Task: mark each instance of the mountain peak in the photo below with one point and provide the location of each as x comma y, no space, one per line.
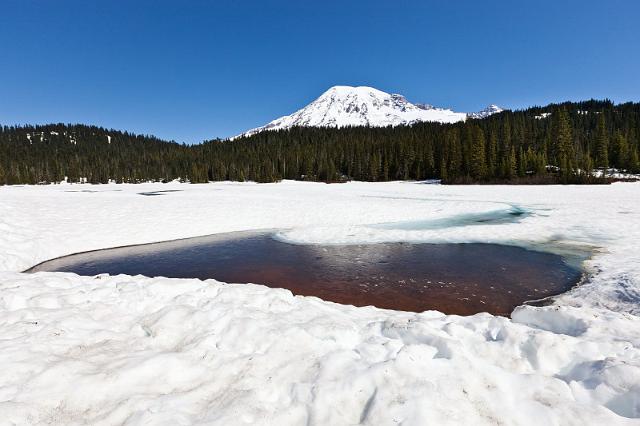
353,89
489,110
343,106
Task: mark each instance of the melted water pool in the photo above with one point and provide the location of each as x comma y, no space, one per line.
513,215
452,278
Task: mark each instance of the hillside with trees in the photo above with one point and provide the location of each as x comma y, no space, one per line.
558,143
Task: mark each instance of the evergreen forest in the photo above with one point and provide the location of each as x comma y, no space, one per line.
558,143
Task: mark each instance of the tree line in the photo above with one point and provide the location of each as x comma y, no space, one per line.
557,143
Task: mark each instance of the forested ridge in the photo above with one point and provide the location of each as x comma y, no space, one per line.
556,143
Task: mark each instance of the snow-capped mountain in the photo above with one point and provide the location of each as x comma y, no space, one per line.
490,110
342,106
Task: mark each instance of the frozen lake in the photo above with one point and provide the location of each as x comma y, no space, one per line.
179,351
452,278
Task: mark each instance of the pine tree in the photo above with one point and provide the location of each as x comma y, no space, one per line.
443,171
541,163
467,143
587,166
602,143
522,164
455,153
620,151
385,169
634,163
512,163
505,149
563,143
478,166
492,154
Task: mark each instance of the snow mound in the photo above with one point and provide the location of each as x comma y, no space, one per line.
134,350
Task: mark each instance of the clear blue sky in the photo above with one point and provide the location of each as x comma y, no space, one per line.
194,70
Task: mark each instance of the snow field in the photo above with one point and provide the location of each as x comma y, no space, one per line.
136,350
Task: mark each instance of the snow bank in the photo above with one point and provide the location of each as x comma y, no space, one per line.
135,350
113,350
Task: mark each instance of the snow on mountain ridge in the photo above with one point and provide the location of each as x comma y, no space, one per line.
343,106
490,110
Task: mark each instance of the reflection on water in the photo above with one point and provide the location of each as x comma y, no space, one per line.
452,278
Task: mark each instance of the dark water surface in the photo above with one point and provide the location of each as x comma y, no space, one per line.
452,278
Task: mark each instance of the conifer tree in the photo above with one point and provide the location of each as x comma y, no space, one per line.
443,170
602,143
492,154
512,163
455,153
620,151
563,143
522,164
587,165
478,166
634,163
505,149
541,164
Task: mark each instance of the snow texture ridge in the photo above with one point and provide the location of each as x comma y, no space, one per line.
343,106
